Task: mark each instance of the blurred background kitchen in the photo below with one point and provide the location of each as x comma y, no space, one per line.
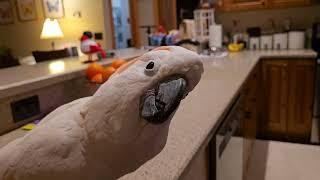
55,51
126,23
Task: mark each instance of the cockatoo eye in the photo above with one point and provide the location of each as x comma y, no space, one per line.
151,67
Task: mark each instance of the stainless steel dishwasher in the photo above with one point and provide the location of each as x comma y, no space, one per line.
229,145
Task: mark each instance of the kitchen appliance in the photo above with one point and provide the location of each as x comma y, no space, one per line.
253,40
316,47
229,145
296,39
280,41
266,42
254,31
316,37
254,43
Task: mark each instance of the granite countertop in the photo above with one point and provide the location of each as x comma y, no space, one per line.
24,78
200,113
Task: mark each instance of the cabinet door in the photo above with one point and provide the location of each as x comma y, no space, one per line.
234,5
287,3
275,94
301,95
250,111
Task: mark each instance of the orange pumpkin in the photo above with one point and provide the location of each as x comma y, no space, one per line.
107,72
94,69
117,63
97,79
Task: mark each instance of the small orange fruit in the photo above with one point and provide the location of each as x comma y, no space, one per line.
94,69
97,79
117,63
107,72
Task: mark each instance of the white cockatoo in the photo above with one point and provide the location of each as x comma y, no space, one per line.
115,131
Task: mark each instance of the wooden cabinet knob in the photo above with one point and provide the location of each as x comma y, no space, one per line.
247,115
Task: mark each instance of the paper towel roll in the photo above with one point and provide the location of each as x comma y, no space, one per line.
215,35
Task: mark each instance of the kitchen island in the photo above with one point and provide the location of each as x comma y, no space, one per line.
200,114
30,92
23,78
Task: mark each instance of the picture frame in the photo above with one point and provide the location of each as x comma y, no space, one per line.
53,8
6,12
26,10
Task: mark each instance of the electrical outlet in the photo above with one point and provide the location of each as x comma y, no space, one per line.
98,36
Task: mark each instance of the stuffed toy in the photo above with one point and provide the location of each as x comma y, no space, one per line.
89,46
115,131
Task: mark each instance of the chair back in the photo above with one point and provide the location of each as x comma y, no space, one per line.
7,60
56,54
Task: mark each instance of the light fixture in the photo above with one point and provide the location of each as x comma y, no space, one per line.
51,30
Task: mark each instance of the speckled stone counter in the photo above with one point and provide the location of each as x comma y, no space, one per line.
199,114
25,78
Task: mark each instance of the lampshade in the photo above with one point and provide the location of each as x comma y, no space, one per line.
51,29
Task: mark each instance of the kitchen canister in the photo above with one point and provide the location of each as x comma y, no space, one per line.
266,42
296,39
215,35
254,43
280,41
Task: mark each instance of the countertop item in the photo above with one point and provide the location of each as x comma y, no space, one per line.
280,41
266,42
296,39
19,79
215,35
200,113
254,43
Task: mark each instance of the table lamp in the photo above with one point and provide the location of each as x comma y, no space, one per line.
51,30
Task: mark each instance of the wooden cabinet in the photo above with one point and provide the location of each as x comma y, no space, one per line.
288,88
250,113
300,100
286,3
275,93
234,5
238,5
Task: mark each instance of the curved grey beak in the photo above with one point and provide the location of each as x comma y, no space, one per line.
160,102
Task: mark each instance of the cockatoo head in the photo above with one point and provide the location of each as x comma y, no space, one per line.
130,113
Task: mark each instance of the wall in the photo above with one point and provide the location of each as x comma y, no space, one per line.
24,37
302,17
